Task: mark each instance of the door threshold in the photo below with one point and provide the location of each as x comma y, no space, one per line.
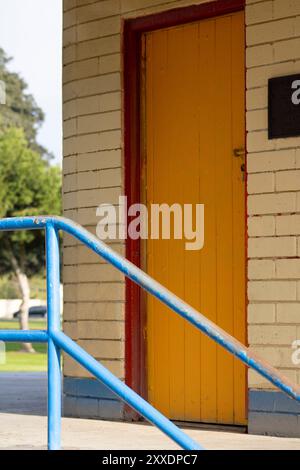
213,426
204,426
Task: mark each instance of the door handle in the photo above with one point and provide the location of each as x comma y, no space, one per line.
239,152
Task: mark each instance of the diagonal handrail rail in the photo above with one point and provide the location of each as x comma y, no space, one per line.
58,340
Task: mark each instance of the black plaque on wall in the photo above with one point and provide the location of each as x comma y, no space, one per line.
284,106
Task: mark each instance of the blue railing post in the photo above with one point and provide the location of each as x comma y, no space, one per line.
53,319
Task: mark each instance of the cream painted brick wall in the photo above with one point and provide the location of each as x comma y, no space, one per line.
288,224
273,49
259,183
272,291
288,180
261,226
288,313
258,162
281,356
261,269
260,204
272,247
261,313
272,334
272,31
288,269
93,173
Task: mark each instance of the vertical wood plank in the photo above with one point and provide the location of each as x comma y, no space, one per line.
208,82
239,210
191,195
224,215
157,190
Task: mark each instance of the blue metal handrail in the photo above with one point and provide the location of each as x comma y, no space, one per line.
58,341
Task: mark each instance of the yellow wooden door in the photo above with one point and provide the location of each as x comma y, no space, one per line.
193,120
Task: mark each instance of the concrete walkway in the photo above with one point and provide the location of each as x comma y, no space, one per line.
23,425
23,393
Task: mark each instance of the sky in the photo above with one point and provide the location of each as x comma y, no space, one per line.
31,33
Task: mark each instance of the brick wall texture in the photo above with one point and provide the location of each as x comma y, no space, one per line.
273,49
94,293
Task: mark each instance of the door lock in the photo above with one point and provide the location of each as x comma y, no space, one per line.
243,169
240,153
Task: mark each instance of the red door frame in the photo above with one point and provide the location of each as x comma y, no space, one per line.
135,347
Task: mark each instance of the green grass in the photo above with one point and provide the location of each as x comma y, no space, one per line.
24,362
17,360
39,324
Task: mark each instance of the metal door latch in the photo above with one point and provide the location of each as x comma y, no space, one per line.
239,152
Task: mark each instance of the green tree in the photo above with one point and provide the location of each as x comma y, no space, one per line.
20,110
28,186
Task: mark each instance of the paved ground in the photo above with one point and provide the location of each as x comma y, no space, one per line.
23,425
23,393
